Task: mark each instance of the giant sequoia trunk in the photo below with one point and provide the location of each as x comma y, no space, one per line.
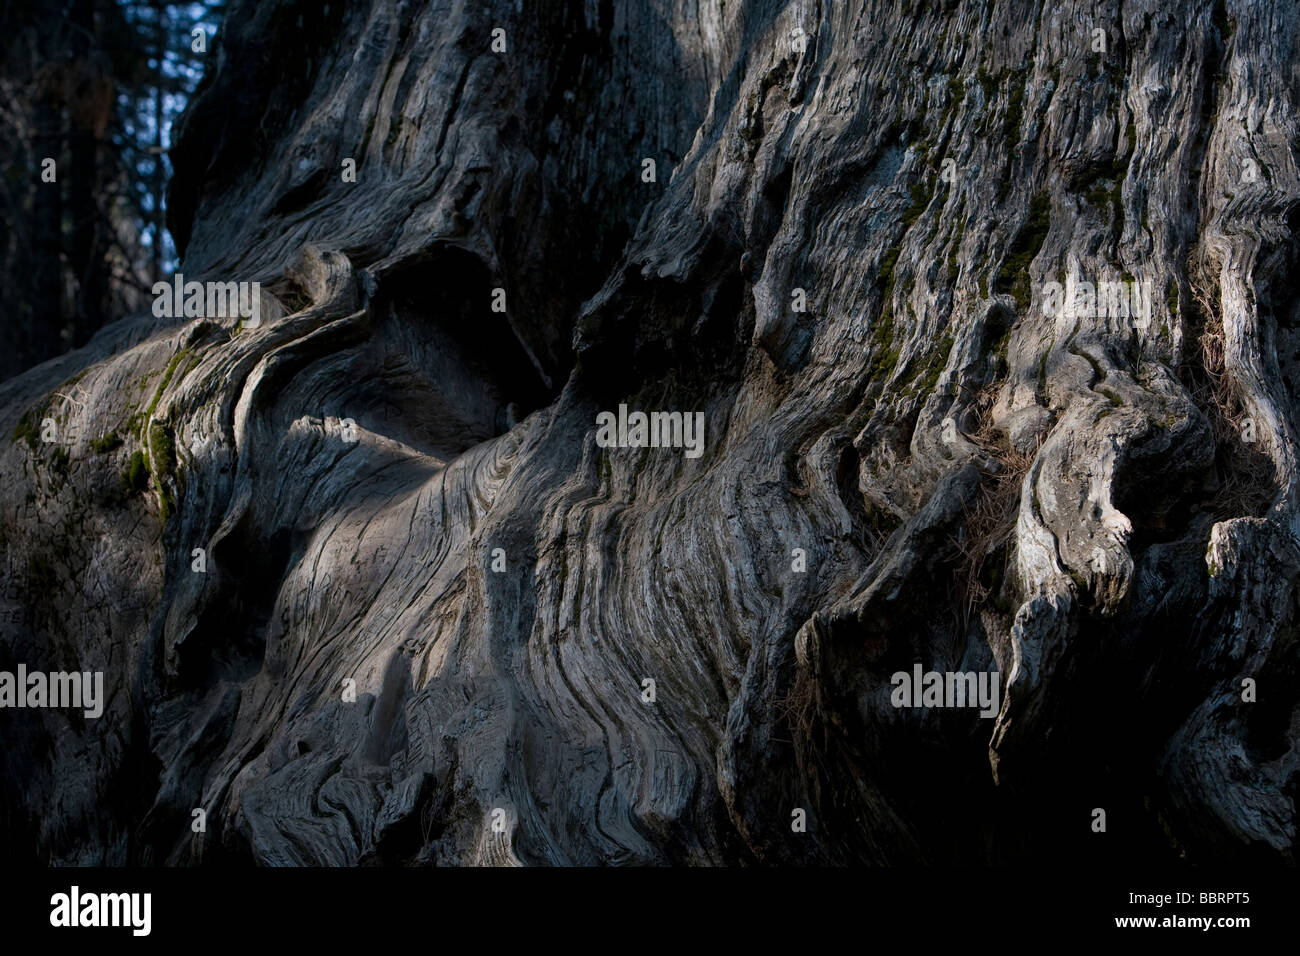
843,257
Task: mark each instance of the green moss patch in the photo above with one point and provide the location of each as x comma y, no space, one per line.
106,443
136,476
1013,277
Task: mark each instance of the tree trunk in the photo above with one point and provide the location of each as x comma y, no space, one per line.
159,119
376,589
47,229
87,243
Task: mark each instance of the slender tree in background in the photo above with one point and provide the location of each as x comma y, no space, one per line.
159,171
94,85
46,222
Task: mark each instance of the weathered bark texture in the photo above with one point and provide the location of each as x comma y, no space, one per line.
1104,510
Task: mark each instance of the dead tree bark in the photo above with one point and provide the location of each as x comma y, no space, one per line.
365,586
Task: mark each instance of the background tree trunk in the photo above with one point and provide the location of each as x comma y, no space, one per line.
47,216
87,241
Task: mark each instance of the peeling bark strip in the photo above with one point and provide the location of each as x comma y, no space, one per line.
365,587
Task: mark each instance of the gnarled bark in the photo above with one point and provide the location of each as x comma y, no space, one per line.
1103,510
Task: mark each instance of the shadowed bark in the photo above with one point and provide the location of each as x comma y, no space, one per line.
930,462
